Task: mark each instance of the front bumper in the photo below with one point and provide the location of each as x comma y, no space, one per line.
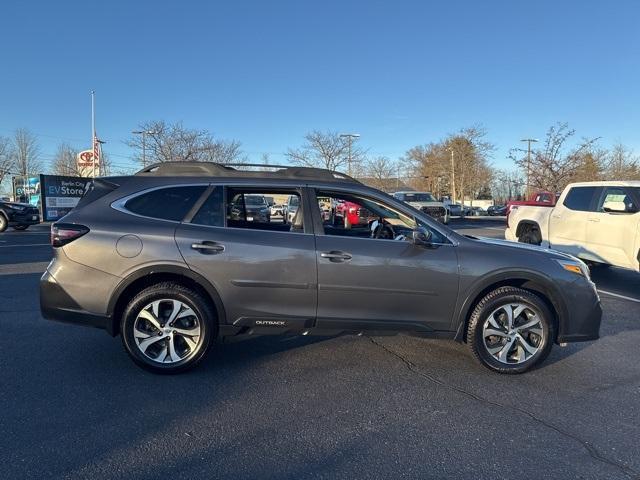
24,218
583,315
56,304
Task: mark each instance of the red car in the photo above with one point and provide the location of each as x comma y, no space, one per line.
352,214
540,199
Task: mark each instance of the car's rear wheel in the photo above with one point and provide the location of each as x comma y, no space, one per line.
168,328
20,227
511,330
3,223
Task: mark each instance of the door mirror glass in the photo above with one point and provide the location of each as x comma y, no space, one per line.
421,236
617,207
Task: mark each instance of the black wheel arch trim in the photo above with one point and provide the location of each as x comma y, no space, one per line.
159,270
465,308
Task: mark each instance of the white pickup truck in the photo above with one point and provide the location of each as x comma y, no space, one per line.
598,222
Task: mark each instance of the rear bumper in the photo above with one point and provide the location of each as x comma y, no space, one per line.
56,304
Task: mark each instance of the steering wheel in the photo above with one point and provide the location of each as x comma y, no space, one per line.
383,231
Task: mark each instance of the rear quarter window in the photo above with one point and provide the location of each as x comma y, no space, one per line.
171,203
580,199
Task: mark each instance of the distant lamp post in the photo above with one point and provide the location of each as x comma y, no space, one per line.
453,177
349,137
529,142
144,134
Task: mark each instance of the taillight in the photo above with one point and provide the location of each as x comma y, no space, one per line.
63,233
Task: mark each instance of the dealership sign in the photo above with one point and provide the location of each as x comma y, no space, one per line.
60,194
88,163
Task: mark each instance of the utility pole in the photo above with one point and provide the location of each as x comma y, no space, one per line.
529,141
144,134
349,137
453,178
93,131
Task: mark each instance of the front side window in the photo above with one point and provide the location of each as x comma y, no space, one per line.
170,203
358,216
579,198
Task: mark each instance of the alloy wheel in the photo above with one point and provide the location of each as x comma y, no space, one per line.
513,333
167,331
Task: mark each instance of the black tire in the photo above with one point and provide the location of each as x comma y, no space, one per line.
3,223
20,227
169,290
496,299
531,236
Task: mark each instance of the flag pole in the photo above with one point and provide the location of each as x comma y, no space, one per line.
93,130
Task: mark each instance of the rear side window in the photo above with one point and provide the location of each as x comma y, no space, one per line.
579,198
171,203
211,213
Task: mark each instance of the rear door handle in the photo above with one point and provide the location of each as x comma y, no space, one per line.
209,248
334,256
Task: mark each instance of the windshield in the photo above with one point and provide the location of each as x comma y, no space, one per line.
418,197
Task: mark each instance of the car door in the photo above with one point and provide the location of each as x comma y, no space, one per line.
568,222
611,234
264,272
368,283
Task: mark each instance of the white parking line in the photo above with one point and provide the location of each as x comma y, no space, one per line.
617,295
23,268
25,245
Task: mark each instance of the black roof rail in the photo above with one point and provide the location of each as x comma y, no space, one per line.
211,169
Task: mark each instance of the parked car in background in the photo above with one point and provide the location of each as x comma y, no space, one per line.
250,208
277,210
455,209
351,214
497,210
158,259
598,222
543,199
290,208
426,202
477,211
18,215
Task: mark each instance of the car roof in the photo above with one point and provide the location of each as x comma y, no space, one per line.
241,170
610,183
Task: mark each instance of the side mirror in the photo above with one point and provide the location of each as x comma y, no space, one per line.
421,236
616,207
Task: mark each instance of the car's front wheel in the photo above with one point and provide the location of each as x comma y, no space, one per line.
168,328
511,330
3,223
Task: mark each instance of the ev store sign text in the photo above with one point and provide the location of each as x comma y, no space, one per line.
60,194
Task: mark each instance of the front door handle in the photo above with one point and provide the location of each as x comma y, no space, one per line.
335,256
208,248
595,220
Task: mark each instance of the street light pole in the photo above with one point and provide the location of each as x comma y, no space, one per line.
453,178
529,141
144,134
349,137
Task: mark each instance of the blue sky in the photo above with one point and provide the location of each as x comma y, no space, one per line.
400,73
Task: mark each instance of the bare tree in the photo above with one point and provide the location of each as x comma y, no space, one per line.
26,153
326,150
6,158
621,164
65,161
555,164
175,143
380,172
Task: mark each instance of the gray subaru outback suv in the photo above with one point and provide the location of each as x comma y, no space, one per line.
171,260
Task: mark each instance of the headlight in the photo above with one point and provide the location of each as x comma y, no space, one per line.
575,266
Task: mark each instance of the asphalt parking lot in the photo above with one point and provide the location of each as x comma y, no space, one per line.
74,406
